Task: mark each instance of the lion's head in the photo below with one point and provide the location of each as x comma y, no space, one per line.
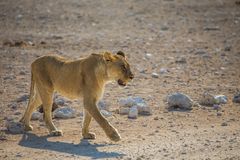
118,68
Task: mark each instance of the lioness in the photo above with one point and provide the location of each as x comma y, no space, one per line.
84,78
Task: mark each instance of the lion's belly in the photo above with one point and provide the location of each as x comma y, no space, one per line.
68,84
68,90
70,95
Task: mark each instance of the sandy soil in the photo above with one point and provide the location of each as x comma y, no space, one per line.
197,41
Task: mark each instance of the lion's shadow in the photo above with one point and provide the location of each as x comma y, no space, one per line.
84,148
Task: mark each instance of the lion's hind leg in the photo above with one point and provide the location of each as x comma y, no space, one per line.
33,103
46,94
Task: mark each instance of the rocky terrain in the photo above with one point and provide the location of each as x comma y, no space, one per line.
185,46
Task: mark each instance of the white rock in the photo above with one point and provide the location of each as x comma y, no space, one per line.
179,100
64,113
133,112
106,113
155,75
19,17
124,110
148,55
36,116
14,127
220,99
163,70
135,102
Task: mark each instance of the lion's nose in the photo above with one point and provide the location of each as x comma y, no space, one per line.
131,76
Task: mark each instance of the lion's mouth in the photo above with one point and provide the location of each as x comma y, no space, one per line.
121,83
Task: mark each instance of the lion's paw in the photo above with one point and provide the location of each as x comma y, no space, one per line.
28,128
115,136
56,133
89,135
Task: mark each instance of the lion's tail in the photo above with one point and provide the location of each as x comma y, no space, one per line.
31,88
31,96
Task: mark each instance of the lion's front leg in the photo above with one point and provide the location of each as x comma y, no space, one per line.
111,132
85,131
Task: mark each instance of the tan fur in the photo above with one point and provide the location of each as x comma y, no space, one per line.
84,78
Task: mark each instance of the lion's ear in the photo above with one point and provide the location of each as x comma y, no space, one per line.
121,54
108,56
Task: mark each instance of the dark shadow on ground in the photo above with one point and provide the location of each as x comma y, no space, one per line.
84,148
178,109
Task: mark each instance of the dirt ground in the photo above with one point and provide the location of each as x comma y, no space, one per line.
197,41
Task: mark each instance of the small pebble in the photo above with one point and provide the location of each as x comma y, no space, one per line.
181,60
156,118
227,48
155,75
106,113
163,70
23,98
224,124
236,98
148,55
22,73
17,113
13,105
